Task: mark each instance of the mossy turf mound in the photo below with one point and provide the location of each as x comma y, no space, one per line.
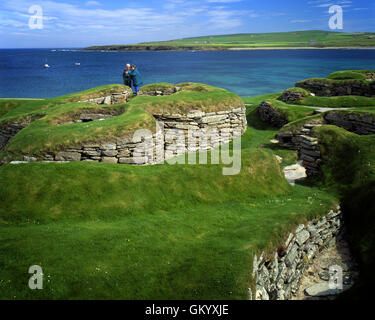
51,131
352,74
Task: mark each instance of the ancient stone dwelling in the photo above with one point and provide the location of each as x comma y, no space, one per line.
176,133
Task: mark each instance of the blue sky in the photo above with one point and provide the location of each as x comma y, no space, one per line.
72,23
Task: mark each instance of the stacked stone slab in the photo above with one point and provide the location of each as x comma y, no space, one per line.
268,114
117,97
8,131
309,152
292,96
291,139
176,134
278,278
359,123
184,133
330,88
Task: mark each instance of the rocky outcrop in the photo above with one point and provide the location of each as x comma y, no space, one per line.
330,88
269,114
278,278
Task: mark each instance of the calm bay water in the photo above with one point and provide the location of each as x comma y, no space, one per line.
247,73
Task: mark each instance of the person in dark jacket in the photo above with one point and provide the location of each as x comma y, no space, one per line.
126,76
136,78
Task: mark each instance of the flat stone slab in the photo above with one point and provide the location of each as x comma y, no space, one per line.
321,289
294,172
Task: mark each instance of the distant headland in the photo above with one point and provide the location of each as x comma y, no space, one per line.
255,41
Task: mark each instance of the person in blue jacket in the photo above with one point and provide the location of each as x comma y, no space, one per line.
136,78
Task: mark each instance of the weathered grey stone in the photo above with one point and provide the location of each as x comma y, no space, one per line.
290,237
300,228
68,156
29,159
321,289
302,237
289,260
261,293
108,146
109,159
110,153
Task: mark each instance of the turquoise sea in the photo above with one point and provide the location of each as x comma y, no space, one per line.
246,73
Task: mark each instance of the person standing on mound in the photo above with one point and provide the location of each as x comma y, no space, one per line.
126,76
136,78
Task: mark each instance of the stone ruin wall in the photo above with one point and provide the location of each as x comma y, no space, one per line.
302,138
333,88
176,134
278,278
172,139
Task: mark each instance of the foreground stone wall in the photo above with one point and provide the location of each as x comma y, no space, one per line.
278,278
176,134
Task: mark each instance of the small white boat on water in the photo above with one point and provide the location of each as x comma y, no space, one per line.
46,66
77,63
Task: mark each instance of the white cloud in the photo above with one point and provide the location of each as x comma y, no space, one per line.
92,3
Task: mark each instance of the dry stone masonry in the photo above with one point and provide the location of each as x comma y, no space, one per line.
359,123
268,114
118,97
278,278
330,88
177,134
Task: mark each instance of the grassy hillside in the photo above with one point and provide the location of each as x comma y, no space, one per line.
319,39
105,231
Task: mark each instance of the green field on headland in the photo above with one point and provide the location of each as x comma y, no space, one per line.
182,231
297,39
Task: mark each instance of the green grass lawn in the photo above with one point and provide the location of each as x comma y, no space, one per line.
105,231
